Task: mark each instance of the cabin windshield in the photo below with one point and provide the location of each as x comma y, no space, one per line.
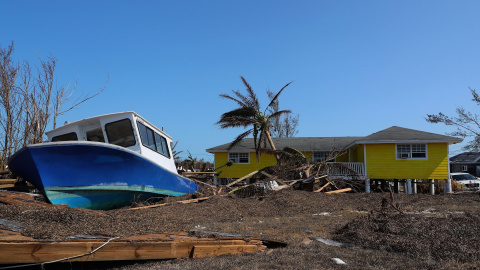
72,136
120,133
95,135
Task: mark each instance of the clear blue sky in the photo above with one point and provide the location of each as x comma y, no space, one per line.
358,66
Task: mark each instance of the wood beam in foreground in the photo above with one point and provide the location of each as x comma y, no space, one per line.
146,247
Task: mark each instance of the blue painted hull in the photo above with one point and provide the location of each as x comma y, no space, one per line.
95,176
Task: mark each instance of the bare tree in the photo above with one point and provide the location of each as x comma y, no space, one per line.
63,95
11,102
285,125
28,101
467,123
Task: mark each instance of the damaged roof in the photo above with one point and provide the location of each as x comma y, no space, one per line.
393,134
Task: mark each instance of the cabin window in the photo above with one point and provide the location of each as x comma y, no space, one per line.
162,146
72,136
146,134
464,168
153,140
120,133
242,158
411,151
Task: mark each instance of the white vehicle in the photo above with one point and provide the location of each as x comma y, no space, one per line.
466,180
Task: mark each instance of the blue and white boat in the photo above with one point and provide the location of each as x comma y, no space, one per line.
102,163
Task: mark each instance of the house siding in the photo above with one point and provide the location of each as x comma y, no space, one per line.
382,163
238,170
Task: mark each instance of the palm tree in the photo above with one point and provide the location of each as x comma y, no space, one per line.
249,115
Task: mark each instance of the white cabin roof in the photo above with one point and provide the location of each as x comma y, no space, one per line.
96,119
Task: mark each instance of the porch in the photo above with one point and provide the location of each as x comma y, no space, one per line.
352,170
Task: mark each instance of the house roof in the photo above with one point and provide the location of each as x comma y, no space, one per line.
397,134
466,157
390,135
299,143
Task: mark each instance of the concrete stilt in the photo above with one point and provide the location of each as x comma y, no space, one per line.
409,186
447,188
367,185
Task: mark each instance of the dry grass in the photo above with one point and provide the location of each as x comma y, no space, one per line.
443,238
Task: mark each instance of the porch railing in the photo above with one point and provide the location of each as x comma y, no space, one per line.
348,169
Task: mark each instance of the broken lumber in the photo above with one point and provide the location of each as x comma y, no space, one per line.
8,181
339,191
324,186
146,247
242,178
273,177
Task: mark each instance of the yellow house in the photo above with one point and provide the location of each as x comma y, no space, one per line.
392,153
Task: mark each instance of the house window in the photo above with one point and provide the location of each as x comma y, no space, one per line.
411,151
243,158
464,168
322,156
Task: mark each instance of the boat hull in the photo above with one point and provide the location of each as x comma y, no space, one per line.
95,175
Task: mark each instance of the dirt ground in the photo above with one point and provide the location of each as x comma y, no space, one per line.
409,232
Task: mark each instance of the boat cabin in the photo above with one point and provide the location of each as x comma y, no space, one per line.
125,129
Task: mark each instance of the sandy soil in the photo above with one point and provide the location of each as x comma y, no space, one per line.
409,232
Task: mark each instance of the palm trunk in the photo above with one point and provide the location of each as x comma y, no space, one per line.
270,140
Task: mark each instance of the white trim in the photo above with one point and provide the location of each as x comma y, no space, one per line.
409,141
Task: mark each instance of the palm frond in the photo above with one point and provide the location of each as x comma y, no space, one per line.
239,139
279,113
278,94
240,117
241,103
253,100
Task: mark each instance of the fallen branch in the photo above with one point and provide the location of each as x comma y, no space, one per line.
182,202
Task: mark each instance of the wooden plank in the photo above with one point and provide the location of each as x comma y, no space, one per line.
200,173
8,181
38,252
324,186
7,185
339,191
242,178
